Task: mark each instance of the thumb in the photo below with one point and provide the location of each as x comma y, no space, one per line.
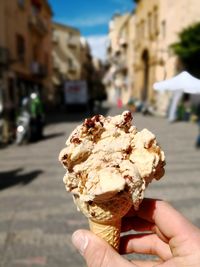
96,251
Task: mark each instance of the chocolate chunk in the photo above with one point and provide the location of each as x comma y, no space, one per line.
75,140
89,123
97,118
128,150
130,178
128,116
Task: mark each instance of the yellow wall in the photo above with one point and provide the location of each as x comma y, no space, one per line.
172,16
16,20
62,52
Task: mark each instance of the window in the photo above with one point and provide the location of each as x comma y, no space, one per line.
36,7
70,63
163,30
55,36
155,21
137,31
21,3
20,47
143,29
150,25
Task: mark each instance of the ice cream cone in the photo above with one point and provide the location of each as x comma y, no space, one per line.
105,217
109,164
109,232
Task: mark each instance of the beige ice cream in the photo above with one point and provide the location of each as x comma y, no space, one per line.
109,164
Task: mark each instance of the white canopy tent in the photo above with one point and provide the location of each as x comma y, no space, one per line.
179,84
184,82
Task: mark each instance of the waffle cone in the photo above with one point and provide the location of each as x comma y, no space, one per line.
109,232
105,217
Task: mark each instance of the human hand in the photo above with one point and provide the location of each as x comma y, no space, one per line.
165,233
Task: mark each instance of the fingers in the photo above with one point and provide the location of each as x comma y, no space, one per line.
96,251
169,221
141,225
136,223
145,244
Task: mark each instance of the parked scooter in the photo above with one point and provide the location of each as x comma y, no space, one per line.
30,122
23,131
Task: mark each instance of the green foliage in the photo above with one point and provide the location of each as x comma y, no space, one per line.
188,48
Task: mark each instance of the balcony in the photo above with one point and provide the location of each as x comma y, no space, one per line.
73,41
56,65
119,60
36,3
38,70
72,69
37,24
55,38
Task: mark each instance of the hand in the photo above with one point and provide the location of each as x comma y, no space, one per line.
165,233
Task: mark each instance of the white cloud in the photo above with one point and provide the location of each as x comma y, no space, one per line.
87,21
98,44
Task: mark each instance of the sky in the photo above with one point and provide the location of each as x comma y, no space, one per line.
91,17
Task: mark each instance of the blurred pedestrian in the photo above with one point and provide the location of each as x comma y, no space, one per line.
37,115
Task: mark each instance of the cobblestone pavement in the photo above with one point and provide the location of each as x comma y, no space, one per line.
37,216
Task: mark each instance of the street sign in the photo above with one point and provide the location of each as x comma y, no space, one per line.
76,92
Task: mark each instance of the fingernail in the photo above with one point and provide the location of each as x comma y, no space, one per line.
80,241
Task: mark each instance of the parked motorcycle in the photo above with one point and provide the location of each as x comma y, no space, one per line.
30,121
23,131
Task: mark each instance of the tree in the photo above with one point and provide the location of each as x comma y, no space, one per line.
188,48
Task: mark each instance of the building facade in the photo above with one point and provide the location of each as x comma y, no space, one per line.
147,34
157,24
118,78
71,57
26,48
66,52
25,52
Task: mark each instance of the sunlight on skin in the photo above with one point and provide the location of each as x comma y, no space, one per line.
176,241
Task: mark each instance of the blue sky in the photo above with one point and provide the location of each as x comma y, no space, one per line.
91,17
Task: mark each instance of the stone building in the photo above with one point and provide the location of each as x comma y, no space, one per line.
25,48
118,79
70,55
25,53
143,39
66,52
157,24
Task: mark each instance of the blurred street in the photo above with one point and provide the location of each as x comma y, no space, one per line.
37,216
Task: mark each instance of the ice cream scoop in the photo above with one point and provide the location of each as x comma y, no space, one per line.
109,163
